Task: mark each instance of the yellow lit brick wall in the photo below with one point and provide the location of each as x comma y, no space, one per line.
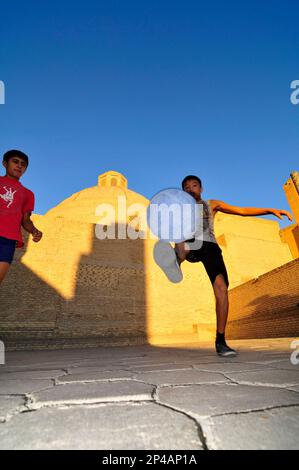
292,196
266,307
72,289
290,235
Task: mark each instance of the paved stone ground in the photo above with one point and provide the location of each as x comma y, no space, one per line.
151,398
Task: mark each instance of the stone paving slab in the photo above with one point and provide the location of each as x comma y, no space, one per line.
95,376
118,426
161,367
270,362
242,357
285,364
32,374
180,377
260,358
78,354
214,360
270,377
95,392
21,387
94,368
230,367
9,405
276,429
38,367
209,400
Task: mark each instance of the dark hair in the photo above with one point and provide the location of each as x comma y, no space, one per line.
190,177
15,153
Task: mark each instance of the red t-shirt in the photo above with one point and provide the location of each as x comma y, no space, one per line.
15,201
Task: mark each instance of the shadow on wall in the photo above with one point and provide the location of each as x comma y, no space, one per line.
108,307
267,316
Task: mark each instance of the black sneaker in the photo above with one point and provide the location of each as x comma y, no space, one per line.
224,350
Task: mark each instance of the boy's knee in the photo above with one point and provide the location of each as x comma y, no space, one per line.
181,251
220,287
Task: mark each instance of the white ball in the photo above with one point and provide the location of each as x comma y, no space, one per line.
173,215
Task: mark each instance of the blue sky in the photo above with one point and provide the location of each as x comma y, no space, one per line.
153,89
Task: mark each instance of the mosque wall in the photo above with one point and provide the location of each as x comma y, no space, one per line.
74,290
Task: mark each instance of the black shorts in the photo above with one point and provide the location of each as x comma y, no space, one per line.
7,249
210,254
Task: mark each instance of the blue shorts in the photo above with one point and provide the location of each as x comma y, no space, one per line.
7,249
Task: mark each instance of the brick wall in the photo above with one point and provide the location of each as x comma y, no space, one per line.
266,307
73,290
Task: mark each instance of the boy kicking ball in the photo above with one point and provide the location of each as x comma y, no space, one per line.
16,205
209,253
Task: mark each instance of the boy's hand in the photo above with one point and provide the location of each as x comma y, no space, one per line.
36,235
279,213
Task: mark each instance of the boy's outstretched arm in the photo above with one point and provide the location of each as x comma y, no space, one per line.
27,224
247,211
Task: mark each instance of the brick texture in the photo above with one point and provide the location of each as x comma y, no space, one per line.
266,307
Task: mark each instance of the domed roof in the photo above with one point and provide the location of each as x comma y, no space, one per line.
112,189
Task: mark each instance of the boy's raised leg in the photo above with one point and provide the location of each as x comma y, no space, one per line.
181,252
166,258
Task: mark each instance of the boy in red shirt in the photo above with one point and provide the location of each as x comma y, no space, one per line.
16,205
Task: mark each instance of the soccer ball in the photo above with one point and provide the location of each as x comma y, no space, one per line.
173,215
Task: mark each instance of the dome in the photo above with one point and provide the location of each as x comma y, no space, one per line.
112,189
